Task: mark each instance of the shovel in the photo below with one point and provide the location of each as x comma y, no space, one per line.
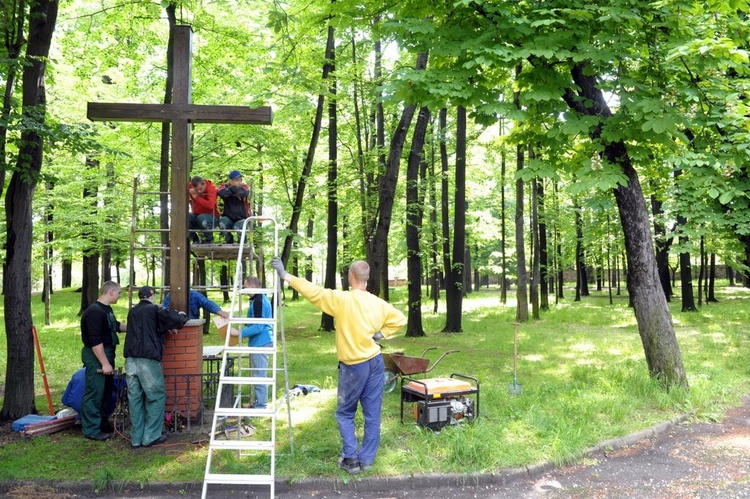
514,387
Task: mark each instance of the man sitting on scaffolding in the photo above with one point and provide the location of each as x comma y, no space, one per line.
204,214
234,194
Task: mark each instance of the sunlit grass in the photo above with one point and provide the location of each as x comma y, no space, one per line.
581,368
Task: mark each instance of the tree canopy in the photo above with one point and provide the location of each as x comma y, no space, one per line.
604,105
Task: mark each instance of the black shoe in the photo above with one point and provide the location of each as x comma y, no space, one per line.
350,465
107,428
158,441
365,467
100,437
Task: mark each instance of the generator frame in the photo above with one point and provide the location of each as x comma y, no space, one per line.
435,400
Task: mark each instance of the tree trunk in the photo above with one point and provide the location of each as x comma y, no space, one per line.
164,158
503,262
454,274
66,274
662,246
686,274
414,213
543,253
49,236
467,284
534,250
710,296
651,310
580,273
377,248
18,398
309,158
701,270
110,219
522,300
558,252
90,234
434,245
332,227
14,41
224,281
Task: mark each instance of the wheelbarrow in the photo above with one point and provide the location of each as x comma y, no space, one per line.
398,364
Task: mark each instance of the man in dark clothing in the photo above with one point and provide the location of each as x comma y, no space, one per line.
236,209
148,324
99,329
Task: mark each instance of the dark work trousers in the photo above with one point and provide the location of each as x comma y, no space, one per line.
97,395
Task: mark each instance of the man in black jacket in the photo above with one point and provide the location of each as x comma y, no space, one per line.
236,208
148,324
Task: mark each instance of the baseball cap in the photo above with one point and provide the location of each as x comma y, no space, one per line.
146,291
234,174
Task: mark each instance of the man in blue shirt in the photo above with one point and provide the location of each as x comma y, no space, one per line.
197,302
259,335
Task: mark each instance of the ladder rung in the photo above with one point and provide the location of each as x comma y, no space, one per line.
266,350
251,320
257,291
246,380
238,479
150,248
241,445
241,411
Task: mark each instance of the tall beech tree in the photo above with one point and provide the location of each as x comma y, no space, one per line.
454,281
19,395
414,213
332,225
377,247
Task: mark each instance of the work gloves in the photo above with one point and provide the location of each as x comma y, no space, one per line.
278,266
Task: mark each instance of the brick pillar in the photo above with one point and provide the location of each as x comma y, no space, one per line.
182,364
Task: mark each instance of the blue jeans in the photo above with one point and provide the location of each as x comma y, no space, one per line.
360,383
260,365
226,223
205,222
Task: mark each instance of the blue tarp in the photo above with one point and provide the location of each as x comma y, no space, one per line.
73,395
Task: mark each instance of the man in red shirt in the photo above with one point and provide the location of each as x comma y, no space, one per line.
204,214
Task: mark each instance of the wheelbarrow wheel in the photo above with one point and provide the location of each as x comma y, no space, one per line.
391,379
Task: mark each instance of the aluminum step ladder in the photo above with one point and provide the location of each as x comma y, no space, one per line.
246,455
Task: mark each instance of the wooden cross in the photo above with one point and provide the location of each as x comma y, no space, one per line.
182,113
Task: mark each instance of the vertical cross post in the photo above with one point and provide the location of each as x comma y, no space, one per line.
182,113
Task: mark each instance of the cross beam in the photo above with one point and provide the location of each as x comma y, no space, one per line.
182,113
102,111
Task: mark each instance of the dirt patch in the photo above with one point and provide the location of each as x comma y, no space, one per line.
37,492
7,435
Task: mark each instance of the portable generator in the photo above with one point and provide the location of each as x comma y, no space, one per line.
441,401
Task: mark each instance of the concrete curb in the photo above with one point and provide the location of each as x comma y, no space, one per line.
353,484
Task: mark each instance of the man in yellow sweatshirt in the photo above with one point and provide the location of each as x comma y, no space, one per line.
361,320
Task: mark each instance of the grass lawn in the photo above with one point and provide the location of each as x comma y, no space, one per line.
582,370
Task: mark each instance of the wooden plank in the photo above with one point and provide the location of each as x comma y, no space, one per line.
47,427
108,111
